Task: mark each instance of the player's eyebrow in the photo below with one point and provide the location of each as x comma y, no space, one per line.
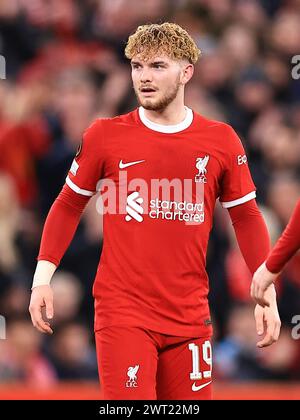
159,63
153,63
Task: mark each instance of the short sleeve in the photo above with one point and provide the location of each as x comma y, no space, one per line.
87,167
237,186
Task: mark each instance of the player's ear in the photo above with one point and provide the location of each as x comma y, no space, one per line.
187,71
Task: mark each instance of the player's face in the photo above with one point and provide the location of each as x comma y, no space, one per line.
156,82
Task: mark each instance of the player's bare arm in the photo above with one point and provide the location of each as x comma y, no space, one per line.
267,319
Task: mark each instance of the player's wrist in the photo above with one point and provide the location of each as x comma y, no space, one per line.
43,273
270,270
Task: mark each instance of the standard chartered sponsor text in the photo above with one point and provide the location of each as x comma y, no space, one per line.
173,210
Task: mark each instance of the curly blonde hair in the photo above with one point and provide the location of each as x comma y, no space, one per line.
167,38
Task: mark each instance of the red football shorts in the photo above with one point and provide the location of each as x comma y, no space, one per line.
135,363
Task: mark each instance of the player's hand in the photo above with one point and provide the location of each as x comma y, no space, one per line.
267,319
262,279
41,298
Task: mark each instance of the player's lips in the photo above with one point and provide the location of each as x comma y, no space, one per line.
147,91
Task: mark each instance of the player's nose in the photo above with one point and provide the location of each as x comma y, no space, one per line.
146,76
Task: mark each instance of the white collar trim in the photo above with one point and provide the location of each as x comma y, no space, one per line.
167,128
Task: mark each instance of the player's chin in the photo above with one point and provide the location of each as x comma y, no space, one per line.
147,101
150,104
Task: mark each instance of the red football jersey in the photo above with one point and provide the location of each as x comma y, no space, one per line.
160,185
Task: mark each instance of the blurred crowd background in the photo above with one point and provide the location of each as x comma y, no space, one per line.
65,66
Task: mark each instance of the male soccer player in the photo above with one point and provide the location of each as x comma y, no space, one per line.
286,246
152,321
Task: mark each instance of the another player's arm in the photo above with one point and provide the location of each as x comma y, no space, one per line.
62,222
286,246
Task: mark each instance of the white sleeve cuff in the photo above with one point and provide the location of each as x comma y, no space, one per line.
43,273
242,200
77,189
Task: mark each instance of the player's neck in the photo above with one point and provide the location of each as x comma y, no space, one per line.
173,114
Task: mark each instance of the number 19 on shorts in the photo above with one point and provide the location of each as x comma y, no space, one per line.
196,373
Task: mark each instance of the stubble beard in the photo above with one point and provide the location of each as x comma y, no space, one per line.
160,104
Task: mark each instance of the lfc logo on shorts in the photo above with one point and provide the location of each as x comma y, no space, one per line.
131,373
201,164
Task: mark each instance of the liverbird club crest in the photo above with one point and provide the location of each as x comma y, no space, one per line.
201,164
132,375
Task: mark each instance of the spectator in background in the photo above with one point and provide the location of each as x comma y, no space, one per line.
68,295
21,358
235,359
73,106
9,214
72,354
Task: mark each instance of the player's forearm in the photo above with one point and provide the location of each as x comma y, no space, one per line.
251,233
287,245
58,232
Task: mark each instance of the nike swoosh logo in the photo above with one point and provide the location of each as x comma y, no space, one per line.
197,388
125,165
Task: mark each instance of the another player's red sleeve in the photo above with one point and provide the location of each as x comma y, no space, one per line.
251,232
287,245
237,186
61,224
